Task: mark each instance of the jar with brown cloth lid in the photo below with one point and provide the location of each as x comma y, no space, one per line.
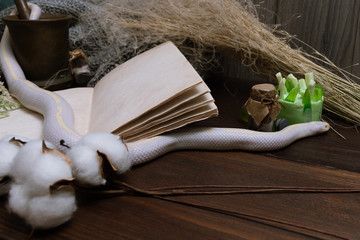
263,107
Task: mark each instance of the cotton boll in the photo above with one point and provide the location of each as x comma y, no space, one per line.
51,210
36,168
8,152
43,211
112,146
8,149
86,159
25,160
49,168
86,165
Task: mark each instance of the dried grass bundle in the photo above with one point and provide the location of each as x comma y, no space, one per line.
200,27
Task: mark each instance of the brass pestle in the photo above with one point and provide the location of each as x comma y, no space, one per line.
23,9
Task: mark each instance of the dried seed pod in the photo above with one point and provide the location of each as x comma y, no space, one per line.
5,185
18,142
79,67
63,184
107,169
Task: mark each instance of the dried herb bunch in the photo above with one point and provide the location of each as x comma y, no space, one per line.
230,25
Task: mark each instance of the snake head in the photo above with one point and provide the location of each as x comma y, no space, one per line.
321,126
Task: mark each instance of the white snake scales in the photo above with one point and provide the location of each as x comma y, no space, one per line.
58,120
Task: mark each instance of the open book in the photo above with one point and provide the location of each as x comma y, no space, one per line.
154,92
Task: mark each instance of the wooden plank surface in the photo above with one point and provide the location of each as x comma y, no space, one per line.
330,27
136,217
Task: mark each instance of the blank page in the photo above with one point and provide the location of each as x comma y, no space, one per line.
140,85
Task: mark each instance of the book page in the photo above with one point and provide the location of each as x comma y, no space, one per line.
27,123
186,108
22,122
176,103
139,85
80,100
190,117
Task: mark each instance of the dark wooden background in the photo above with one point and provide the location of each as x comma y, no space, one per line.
331,27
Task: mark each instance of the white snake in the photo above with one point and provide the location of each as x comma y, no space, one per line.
58,120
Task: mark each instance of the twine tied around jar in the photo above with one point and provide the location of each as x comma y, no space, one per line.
263,106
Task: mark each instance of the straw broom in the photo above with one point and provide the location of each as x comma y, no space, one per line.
230,25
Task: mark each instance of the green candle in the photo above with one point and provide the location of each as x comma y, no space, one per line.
302,99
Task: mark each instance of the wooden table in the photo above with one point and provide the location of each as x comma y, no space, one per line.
326,161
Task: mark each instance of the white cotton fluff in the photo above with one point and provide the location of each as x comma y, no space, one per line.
26,158
48,169
51,210
18,200
8,151
85,165
34,171
112,146
85,159
42,212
